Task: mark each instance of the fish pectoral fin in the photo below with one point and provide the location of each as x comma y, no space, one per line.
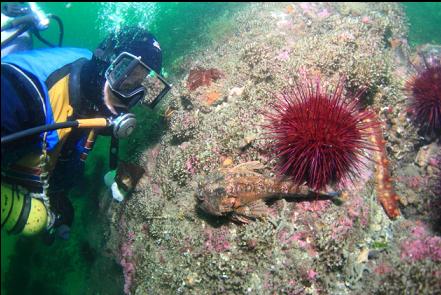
240,219
256,209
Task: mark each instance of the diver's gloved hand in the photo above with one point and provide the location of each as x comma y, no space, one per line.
61,231
117,193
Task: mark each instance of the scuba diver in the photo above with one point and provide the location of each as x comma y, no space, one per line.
54,103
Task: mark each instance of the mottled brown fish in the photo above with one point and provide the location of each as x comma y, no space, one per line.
239,192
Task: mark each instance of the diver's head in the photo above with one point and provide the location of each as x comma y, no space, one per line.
127,67
133,40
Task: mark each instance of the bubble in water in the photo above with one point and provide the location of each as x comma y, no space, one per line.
113,16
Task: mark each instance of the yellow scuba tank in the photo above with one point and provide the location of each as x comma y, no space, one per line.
20,213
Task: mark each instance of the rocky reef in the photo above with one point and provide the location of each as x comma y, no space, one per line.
166,244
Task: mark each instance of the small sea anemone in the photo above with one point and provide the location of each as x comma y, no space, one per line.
202,77
424,92
319,137
212,97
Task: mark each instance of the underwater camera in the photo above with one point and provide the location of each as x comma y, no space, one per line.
133,80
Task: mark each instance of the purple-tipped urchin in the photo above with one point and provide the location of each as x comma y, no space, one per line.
319,137
424,93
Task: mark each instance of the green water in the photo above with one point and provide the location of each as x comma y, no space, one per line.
29,267
424,22
178,26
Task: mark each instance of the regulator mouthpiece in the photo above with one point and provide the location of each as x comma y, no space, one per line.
124,125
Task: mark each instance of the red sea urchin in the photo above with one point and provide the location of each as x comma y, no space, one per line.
318,137
424,92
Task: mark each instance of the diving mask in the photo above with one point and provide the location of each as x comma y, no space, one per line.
133,80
